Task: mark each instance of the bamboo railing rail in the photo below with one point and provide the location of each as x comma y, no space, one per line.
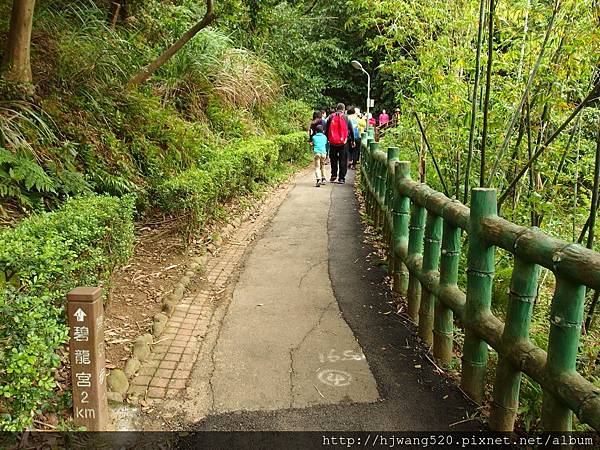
422,229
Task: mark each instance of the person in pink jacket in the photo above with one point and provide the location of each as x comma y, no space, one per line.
383,118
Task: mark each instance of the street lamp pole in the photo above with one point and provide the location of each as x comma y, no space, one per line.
368,92
357,65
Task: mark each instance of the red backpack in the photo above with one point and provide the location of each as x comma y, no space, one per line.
338,129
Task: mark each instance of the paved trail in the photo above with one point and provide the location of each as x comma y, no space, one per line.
283,342
304,343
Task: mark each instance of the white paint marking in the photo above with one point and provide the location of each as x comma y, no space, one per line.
347,355
335,378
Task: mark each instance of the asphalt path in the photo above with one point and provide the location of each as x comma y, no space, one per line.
291,346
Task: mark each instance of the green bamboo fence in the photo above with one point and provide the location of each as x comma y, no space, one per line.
422,229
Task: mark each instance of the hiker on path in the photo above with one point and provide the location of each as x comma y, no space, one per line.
362,123
318,143
371,120
324,123
396,118
354,151
340,135
383,118
316,121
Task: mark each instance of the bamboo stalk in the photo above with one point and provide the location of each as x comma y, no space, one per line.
566,314
592,223
431,260
525,31
373,148
488,89
401,227
474,100
523,290
392,157
381,188
594,202
443,323
514,156
529,153
480,273
517,112
415,247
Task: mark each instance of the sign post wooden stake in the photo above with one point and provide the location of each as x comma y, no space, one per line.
88,373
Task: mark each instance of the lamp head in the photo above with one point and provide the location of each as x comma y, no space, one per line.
357,65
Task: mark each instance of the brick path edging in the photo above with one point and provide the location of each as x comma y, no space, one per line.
162,362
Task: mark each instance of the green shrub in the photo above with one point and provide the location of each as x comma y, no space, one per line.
293,147
286,116
31,329
41,259
198,192
237,169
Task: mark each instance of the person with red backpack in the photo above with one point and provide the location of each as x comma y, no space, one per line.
340,135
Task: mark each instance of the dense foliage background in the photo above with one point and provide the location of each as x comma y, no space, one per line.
224,115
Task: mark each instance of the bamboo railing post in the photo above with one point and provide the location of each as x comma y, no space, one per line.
415,248
373,148
371,133
363,163
431,260
401,228
392,157
376,190
443,323
380,190
372,175
364,169
480,274
523,289
566,315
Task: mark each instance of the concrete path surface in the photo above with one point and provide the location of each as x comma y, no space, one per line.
307,341
290,327
284,342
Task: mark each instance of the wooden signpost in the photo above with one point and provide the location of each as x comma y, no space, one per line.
88,372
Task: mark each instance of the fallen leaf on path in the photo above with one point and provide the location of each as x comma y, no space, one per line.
318,391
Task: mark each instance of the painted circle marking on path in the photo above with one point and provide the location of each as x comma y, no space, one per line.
334,377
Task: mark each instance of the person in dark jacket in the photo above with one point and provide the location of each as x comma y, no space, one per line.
316,121
338,154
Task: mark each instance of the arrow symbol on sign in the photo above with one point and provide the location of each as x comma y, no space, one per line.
80,315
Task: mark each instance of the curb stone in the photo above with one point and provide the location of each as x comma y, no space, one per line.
142,347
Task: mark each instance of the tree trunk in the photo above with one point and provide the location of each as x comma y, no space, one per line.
16,65
145,73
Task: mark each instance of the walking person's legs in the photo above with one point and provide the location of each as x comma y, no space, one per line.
334,157
355,154
318,169
343,159
322,161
